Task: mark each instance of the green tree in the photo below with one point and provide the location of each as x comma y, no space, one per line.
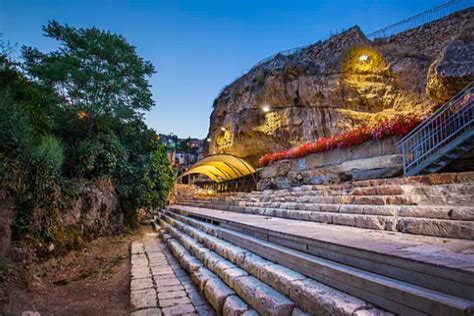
96,72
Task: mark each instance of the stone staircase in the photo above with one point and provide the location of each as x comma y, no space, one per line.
448,134
439,205
238,282
273,272
403,246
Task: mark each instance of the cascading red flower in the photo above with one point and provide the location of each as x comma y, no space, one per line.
396,126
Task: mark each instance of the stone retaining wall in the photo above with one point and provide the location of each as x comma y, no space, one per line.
374,159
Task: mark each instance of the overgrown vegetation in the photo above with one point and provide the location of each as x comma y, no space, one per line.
75,115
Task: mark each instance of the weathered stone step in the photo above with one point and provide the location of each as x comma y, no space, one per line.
461,213
312,296
224,300
442,266
445,195
336,199
431,221
397,296
223,283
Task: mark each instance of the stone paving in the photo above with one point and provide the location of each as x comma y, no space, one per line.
159,286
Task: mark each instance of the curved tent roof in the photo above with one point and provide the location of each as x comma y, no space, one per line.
221,167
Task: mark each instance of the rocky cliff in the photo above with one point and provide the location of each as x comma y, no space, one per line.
333,86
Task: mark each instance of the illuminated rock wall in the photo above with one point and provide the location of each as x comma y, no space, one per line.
331,87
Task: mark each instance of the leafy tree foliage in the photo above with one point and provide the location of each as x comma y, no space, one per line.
75,114
94,71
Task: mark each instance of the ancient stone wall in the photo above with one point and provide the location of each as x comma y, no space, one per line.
92,213
374,159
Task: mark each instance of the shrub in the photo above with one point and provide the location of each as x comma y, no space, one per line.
15,125
100,156
396,126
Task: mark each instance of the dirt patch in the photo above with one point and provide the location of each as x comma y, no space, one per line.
93,281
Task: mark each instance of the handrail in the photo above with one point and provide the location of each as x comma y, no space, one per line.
448,127
437,112
421,18
417,20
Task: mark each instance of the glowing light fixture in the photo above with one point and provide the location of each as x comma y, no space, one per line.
208,140
363,58
83,114
223,129
266,108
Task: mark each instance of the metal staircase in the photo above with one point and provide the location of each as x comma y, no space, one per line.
445,136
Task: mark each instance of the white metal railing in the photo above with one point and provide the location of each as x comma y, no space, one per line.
431,15
452,120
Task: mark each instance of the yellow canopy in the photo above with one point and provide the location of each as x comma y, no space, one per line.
221,167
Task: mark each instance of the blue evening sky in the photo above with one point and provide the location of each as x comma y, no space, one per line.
199,46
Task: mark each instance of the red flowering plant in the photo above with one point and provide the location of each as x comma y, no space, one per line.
399,125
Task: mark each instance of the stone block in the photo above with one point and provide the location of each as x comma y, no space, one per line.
426,212
320,217
313,296
222,265
176,248
280,277
172,294
137,247
170,288
174,302
143,299
142,272
262,298
178,310
161,283
230,275
189,263
147,312
216,292
141,284
211,259
439,228
254,264
234,306
462,213
201,276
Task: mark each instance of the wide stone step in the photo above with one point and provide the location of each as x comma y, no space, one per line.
312,296
448,222
459,194
448,189
224,284
392,294
462,213
399,273
224,300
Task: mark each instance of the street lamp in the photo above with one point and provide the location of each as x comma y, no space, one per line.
223,129
266,108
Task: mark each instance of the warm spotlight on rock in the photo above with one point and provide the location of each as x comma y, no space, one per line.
363,58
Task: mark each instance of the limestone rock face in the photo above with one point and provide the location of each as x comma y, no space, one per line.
453,69
331,87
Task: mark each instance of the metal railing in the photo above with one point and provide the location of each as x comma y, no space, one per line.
453,119
431,15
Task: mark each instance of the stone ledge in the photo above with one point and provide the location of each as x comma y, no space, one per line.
371,160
